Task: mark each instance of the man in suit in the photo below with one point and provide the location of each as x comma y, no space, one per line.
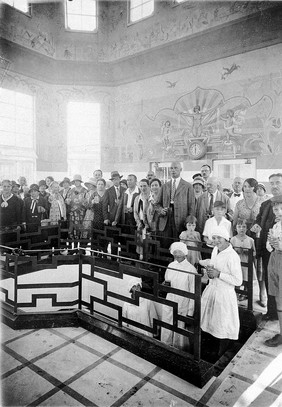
205,173
124,214
204,203
35,209
113,197
237,193
176,201
265,221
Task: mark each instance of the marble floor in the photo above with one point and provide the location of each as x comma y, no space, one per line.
74,367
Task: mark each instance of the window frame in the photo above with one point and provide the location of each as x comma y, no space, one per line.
80,31
129,22
25,13
15,120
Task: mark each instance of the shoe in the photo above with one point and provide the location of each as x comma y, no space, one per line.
261,303
269,317
275,341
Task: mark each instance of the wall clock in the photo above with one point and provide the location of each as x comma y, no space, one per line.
196,149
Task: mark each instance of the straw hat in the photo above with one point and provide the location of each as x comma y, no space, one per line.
77,177
66,179
91,181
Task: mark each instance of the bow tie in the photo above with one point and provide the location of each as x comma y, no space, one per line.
237,194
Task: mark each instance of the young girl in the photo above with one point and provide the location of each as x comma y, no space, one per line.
190,237
241,244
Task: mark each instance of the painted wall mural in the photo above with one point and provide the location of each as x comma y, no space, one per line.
203,123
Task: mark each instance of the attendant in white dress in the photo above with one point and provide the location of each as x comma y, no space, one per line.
179,275
144,313
220,316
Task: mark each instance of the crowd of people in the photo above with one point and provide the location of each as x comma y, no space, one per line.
182,215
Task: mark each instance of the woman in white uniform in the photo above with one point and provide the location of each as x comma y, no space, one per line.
180,275
220,316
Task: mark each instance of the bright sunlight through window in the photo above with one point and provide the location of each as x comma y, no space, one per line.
139,9
83,127
21,5
81,15
16,119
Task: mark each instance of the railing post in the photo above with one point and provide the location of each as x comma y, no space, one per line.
197,318
80,279
250,279
16,285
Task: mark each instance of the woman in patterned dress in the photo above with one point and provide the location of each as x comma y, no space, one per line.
248,208
76,203
100,209
89,214
58,207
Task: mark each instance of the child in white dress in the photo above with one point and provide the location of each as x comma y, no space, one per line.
217,220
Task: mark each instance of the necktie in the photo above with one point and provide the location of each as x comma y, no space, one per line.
33,205
117,191
236,194
211,204
173,189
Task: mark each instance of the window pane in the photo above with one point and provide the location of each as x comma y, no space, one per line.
7,138
74,6
7,110
88,23
135,3
7,96
21,5
148,9
136,14
7,124
88,7
74,22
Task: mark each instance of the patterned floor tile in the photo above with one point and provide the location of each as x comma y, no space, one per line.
23,387
66,362
133,361
232,388
97,343
36,343
105,384
61,399
8,362
152,396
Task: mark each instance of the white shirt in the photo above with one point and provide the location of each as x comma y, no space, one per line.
235,199
130,195
277,232
177,180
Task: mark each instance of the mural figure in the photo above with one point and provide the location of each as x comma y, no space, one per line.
165,133
198,118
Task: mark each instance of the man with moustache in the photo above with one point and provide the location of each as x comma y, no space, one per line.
237,193
265,221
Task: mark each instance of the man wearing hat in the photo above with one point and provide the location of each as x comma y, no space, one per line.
115,193
35,208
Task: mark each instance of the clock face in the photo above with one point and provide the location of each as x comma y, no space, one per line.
196,149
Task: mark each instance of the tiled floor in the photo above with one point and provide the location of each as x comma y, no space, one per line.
73,367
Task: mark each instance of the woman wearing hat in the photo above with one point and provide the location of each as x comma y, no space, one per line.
10,207
261,193
66,193
76,203
198,186
89,214
179,275
220,316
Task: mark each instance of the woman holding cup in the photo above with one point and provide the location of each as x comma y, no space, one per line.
220,316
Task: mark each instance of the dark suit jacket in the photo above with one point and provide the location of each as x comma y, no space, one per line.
202,208
184,203
35,217
266,220
122,207
113,202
